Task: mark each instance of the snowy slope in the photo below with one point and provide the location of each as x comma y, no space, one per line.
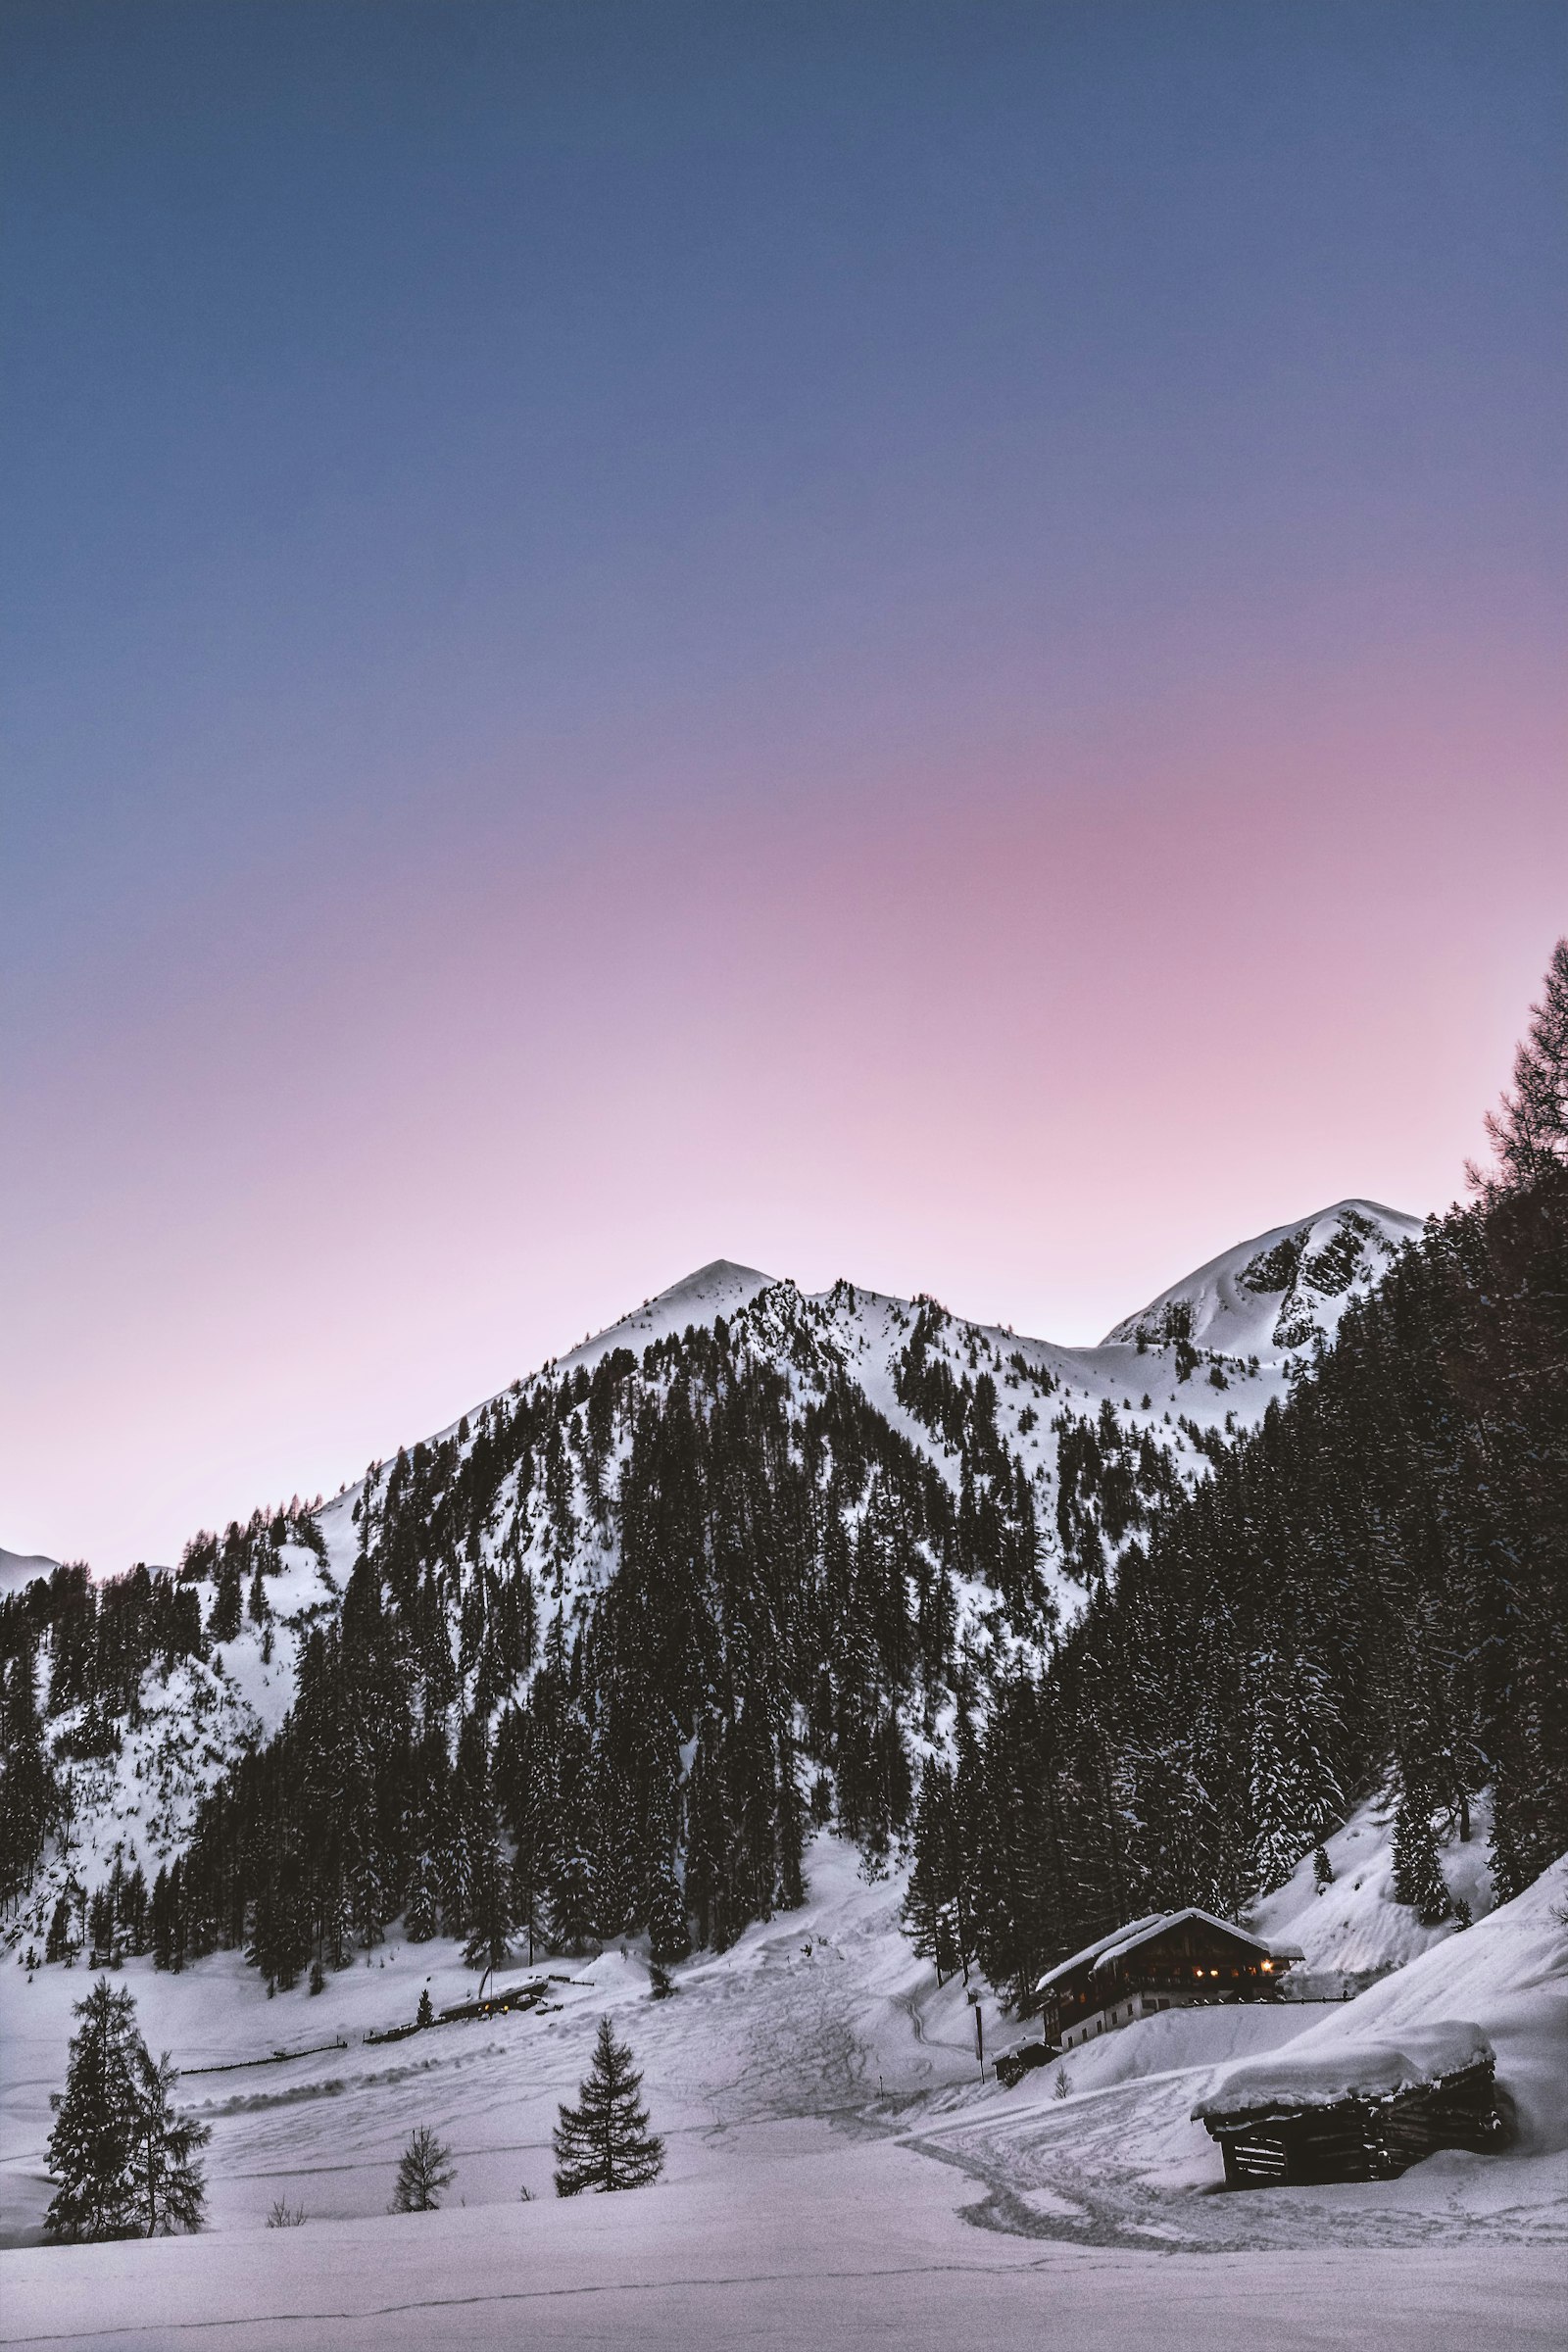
1281,1290
825,2122
1151,1409
19,1568
1509,1975
1354,1929
1119,2158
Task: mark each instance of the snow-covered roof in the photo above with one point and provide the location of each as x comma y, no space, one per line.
1347,2070
1143,1930
1107,1949
1090,1951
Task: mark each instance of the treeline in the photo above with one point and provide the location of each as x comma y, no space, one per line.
605,1655
76,1649
480,1748
1374,1583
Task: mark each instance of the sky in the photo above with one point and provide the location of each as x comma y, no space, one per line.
919,642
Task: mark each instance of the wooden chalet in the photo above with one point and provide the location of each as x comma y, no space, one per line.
1355,2110
1168,1960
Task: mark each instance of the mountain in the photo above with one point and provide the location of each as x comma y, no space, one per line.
1282,1292
19,1568
807,1533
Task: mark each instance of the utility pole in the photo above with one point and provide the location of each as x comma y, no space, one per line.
979,2033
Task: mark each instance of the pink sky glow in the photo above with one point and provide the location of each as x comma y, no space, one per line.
1036,1029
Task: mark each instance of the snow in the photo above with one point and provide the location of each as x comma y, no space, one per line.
1354,1929
1234,1304
721,1288
1102,1943
838,2172
18,1569
1319,2074
856,2246
141,1808
1142,1930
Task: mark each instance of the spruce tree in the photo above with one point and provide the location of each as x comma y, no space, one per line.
171,2185
93,2148
420,1921
424,2169
1418,1878
605,2143
931,1907
27,1797
124,2160
670,1935
1528,1129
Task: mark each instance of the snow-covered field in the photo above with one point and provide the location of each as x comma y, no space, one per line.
838,2172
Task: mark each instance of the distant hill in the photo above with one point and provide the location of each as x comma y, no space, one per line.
19,1568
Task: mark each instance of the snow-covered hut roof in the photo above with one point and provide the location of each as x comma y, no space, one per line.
1294,2078
1143,1930
1091,1951
1107,1949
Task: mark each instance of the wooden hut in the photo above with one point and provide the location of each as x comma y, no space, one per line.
1167,1960
1346,2110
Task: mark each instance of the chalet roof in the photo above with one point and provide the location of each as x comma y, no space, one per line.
1102,1944
1107,1949
1296,2077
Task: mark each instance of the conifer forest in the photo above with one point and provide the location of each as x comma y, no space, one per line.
606,1652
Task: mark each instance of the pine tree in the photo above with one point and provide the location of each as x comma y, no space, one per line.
1528,1129
932,1909
1418,1878
171,2185
29,1799
420,1921
1295,1793
670,1935
93,2147
605,2143
489,1938
424,2170
58,1944
124,2160
570,1905
424,2015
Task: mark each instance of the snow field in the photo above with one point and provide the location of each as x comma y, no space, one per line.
837,2171
862,2246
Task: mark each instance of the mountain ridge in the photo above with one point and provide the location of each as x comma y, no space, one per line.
1000,1476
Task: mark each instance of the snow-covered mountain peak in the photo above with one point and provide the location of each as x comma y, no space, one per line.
18,1569
721,1288
1280,1291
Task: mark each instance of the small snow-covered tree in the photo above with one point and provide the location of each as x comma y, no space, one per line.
424,2170
605,2143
